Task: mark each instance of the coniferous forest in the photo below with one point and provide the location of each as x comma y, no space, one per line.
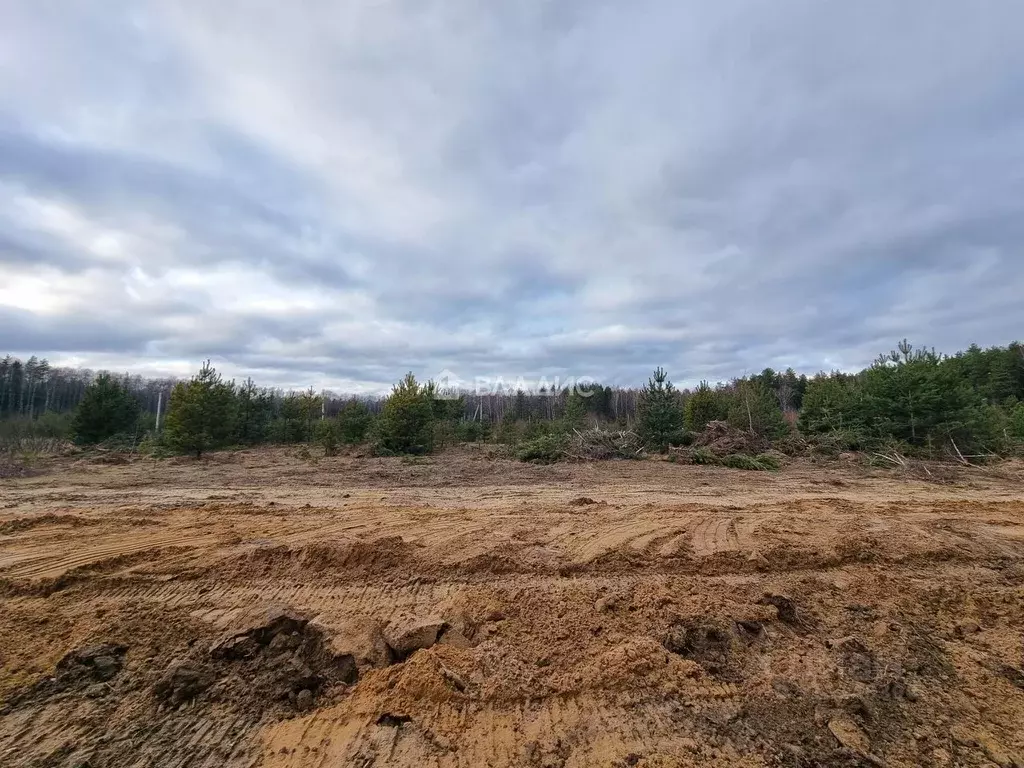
910,401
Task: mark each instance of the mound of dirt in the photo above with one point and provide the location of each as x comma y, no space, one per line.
439,675
724,440
88,670
706,644
94,663
285,660
310,562
281,660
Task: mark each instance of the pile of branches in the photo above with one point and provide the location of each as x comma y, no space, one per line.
598,445
721,439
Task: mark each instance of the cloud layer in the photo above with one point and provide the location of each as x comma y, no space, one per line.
334,193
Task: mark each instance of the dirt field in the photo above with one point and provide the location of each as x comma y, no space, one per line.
258,608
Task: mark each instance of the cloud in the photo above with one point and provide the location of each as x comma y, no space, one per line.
334,194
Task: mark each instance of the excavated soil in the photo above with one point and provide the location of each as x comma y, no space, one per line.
258,609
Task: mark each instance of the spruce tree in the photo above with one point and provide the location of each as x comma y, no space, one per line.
201,415
107,409
660,419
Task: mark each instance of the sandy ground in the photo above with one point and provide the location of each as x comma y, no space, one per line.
258,608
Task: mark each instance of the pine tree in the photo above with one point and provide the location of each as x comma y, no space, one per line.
406,422
106,409
354,421
1015,426
755,409
254,409
830,404
519,409
575,414
703,406
659,417
201,415
310,405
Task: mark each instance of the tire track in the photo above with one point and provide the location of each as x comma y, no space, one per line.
712,535
52,566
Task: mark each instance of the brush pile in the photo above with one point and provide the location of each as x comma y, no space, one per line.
721,440
599,445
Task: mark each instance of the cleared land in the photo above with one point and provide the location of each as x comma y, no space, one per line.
471,611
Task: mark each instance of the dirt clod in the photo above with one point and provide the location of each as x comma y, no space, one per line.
606,603
93,663
393,721
850,735
182,681
786,608
708,645
406,637
304,700
360,637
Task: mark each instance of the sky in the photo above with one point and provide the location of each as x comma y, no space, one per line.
335,193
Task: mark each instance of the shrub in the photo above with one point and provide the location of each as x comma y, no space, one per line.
443,434
536,428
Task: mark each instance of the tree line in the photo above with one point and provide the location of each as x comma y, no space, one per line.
912,400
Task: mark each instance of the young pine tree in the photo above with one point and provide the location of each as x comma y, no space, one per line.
755,408
1015,427
703,406
406,422
354,421
575,414
253,413
201,415
107,408
659,417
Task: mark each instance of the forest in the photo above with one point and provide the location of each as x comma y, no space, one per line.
910,401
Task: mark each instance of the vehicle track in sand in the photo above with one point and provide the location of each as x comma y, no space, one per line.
645,614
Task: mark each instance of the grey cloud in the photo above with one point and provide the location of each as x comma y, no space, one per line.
25,331
345,193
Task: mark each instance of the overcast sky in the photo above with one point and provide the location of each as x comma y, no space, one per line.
333,193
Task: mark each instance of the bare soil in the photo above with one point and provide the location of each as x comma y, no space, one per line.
261,609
